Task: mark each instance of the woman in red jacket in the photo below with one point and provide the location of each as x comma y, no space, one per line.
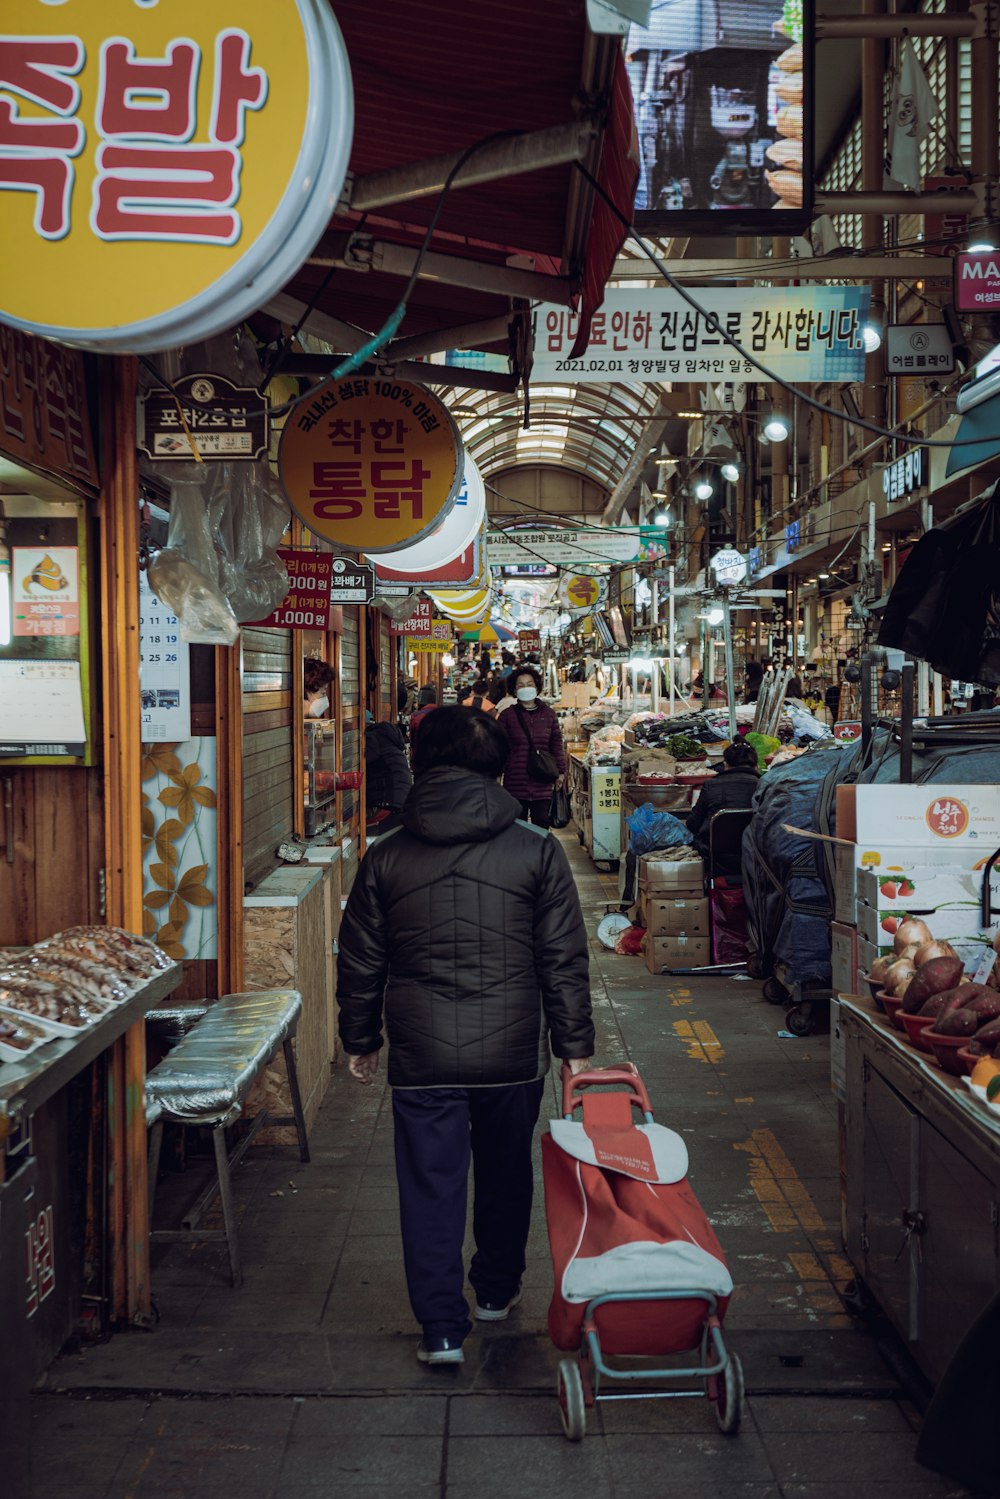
531,724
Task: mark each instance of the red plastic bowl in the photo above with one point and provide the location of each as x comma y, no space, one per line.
915,1027
875,989
946,1052
892,1006
969,1058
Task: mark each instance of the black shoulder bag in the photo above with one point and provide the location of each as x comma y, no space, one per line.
541,763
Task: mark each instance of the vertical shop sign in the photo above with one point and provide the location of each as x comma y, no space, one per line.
40,1272
306,605
226,422
419,621
371,465
164,671
530,642
164,169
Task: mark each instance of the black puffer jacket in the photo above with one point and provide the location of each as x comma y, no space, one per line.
466,924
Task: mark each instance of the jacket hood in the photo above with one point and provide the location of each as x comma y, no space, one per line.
449,805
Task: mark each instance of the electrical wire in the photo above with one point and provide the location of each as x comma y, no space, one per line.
713,325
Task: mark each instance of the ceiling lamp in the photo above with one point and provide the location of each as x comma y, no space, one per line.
871,335
776,429
703,490
730,472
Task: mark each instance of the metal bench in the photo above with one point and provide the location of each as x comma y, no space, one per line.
205,1080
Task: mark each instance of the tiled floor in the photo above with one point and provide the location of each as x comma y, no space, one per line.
305,1383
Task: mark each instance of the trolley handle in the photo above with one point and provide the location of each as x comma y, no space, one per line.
986,897
626,1075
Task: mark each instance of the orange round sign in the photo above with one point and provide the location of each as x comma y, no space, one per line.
947,817
372,465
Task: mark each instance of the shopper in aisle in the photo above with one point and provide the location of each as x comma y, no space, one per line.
479,697
426,703
500,694
387,773
465,928
536,748
732,788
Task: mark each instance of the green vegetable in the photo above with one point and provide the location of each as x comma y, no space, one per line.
683,747
764,746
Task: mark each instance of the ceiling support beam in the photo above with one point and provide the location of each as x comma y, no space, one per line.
362,252
818,268
945,200
510,157
340,336
830,28
319,366
466,336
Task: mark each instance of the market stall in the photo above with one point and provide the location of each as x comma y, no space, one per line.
595,803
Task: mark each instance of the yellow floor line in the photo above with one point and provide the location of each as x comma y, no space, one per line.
702,1043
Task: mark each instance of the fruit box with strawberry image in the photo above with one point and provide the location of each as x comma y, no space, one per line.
955,924
918,889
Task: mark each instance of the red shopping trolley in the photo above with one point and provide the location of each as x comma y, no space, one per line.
638,1270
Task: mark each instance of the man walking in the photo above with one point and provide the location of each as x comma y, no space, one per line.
464,927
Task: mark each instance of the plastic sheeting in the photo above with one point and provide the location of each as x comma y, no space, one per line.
206,1077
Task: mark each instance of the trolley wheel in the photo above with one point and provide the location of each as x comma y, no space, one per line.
799,1019
775,992
755,966
729,1401
569,1388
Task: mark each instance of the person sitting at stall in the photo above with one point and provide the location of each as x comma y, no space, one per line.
733,787
316,680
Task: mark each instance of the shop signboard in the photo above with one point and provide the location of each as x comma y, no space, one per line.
918,349
164,671
44,417
466,568
224,421
804,334
615,658
564,546
352,582
372,465
947,231
723,112
581,590
164,170
729,567
45,590
419,622
418,645
977,281
908,474
847,730
306,605
530,642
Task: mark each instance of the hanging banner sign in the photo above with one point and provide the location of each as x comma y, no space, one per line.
372,465
225,421
530,642
164,169
564,546
803,334
306,606
44,419
420,621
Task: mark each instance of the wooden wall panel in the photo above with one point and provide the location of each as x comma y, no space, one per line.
268,751
57,835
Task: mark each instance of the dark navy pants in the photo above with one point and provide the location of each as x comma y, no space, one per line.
437,1131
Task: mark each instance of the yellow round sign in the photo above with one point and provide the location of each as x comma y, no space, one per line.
371,465
164,168
581,592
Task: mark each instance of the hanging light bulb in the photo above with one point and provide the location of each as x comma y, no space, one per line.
703,490
6,624
871,335
776,429
730,472
661,518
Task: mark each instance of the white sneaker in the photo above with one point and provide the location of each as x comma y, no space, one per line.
440,1351
496,1311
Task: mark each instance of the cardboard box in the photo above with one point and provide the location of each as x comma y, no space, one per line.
674,877
844,957
915,817
951,924
676,952
844,892
867,953
680,917
919,888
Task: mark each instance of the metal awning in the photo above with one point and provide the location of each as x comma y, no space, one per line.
534,92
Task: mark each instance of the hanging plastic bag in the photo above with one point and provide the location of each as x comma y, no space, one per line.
185,573
650,830
559,813
247,516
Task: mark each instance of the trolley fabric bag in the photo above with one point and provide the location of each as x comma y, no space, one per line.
623,1220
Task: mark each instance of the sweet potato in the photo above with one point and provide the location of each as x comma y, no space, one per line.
989,1034
960,998
986,1004
933,978
956,1023
935,1004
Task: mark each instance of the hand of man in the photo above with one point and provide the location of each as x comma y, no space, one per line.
560,782
579,1064
364,1067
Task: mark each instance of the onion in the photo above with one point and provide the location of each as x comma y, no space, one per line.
898,973
902,988
880,968
933,950
911,930
910,951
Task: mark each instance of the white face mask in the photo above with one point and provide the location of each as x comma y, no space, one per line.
527,694
318,707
